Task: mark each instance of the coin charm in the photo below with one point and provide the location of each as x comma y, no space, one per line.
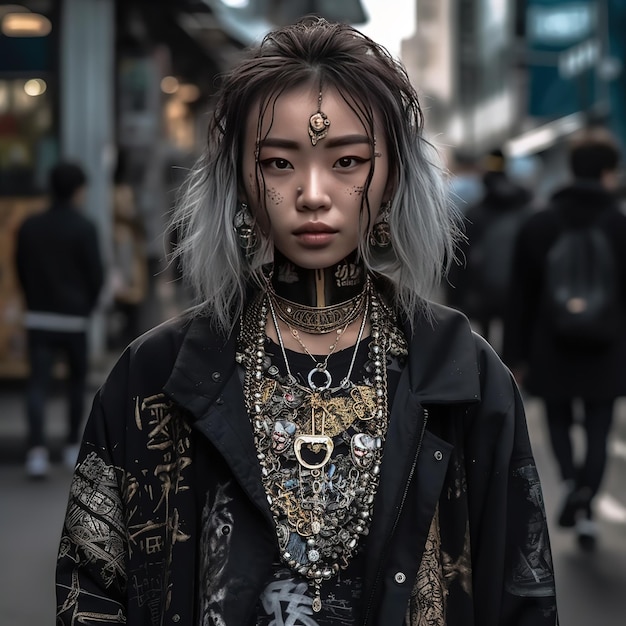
317,604
318,127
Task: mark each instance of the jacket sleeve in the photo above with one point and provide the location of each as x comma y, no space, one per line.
510,544
91,574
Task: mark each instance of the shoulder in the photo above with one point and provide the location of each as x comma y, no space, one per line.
31,221
187,343
163,339
451,364
540,219
82,221
151,357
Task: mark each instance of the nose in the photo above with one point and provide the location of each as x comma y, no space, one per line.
312,194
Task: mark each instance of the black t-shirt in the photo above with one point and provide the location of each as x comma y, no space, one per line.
287,598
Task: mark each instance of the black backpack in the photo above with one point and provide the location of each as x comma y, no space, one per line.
582,288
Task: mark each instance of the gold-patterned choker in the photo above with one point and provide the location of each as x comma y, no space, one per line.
319,320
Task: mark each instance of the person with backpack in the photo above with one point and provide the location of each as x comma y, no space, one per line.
565,336
479,283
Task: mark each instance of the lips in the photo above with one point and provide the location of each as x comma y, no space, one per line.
314,227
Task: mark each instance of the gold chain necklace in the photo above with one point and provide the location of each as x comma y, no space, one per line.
318,320
321,508
320,368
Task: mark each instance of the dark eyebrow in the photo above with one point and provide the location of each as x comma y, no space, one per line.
275,142
346,140
334,142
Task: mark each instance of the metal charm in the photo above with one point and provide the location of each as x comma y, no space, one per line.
313,441
318,123
324,372
318,127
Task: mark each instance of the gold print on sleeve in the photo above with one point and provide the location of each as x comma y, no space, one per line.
154,524
437,571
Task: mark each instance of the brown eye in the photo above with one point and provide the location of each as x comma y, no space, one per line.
348,162
276,164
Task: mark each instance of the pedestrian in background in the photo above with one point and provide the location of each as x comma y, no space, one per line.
566,331
315,443
60,272
478,284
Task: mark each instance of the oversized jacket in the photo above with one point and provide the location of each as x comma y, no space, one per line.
169,436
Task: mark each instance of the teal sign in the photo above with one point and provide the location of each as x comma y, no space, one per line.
563,51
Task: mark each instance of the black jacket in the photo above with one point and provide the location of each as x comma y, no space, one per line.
169,435
58,262
554,370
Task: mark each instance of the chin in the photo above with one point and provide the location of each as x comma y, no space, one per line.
315,261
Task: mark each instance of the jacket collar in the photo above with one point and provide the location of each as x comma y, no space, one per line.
443,364
443,361
204,363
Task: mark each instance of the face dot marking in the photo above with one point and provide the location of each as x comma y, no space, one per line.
355,191
275,196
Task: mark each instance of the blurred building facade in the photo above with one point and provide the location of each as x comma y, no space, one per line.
105,81
523,74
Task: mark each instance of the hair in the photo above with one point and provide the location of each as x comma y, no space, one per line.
422,222
65,179
592,153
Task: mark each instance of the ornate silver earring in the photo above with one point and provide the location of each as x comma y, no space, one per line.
380,236
244,225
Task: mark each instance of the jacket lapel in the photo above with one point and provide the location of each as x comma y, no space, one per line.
442,369
205,381
443,362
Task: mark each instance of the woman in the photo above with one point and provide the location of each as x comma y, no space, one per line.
315,443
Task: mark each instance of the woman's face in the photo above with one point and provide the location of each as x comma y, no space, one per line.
313,193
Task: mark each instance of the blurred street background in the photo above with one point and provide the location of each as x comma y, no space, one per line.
124,87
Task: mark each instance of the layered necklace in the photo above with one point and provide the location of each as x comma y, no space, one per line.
321,502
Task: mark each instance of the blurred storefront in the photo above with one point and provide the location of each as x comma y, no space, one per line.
55,88
523,75
460,60
574,59
115,85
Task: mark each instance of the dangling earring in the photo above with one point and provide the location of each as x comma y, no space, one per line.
244,225
380,237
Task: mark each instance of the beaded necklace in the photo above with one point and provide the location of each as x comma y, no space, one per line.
321,504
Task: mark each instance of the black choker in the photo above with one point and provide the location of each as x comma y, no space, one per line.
319,320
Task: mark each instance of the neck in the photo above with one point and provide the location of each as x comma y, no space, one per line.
320,287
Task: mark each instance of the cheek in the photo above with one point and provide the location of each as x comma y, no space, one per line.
355,190
274,196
